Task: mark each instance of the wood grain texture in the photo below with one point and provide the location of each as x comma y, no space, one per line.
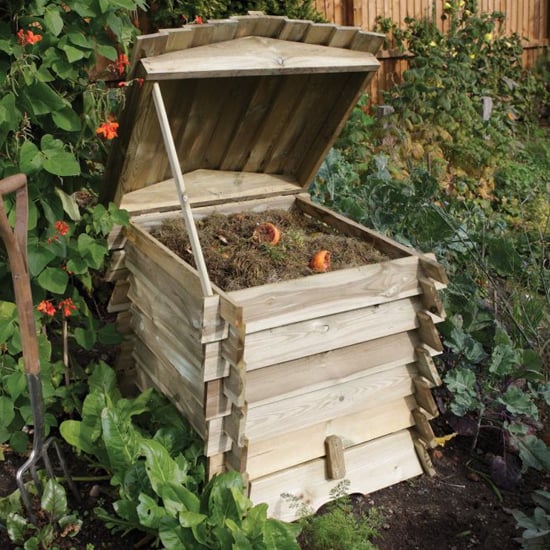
369,467
323,370
341,399
325,333
299,446
255,56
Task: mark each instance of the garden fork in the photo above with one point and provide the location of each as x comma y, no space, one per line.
15,242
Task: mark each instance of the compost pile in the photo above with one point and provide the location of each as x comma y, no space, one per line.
238,256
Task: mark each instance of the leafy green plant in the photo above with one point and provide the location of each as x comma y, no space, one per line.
337,526
175,13
536,528
56,523
55,107
157,466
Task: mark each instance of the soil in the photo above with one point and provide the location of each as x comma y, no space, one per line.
239,255
457,509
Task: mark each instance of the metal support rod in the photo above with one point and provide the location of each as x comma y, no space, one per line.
180,187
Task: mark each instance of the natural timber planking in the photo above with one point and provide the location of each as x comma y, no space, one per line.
317,148
216,441
157,253
293,447
257,106
253,56
282,107
329,332
371,466
343,399
294,29
235,134
173,351
153,371
208,187
336,464
323,370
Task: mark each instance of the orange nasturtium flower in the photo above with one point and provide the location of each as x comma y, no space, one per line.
121,63
67,306
46,307
61,227
27,37
198,20
108,130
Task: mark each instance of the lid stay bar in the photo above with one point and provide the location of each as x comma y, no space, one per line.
180,187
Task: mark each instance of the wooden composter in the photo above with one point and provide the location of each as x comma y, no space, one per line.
297,384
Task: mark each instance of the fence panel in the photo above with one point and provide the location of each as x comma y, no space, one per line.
530,19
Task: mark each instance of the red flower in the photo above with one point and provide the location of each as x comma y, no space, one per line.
28,37
108,130
68,306
198,20
46,307
140,81
121,63
61,227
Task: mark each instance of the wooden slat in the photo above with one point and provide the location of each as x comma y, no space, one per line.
424,397
152,370
369,467
336,116
213,326
319,33
216,403
298,446
215,465
423,426
343,399
433,269
323,370
325,333
217,441
343,37
269,26
293,29
286,302
159,255
119,298
256,56
208,187
430,297
423,455
427,331
171,351
427,367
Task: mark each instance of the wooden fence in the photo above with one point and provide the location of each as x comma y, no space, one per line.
530,19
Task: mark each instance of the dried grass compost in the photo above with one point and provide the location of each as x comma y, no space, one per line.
235,260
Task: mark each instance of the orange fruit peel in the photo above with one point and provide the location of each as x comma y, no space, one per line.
320,263
267,233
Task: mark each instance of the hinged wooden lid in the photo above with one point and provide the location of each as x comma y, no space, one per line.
254,104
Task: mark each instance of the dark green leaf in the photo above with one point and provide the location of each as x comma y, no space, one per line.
66,119
149,512
85,337
54,499
518,401
40,255
53,20
7,413
53,280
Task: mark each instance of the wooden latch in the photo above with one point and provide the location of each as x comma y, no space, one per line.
336,465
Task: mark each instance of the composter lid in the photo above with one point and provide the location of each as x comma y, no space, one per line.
254,104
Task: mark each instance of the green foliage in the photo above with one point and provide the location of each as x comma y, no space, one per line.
175,13
536,528
50,108
337,526
56,520
156,462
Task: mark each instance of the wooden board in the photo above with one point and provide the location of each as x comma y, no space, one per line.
207,187
322,370
300,446
369,467
325,333
274,419
255,55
